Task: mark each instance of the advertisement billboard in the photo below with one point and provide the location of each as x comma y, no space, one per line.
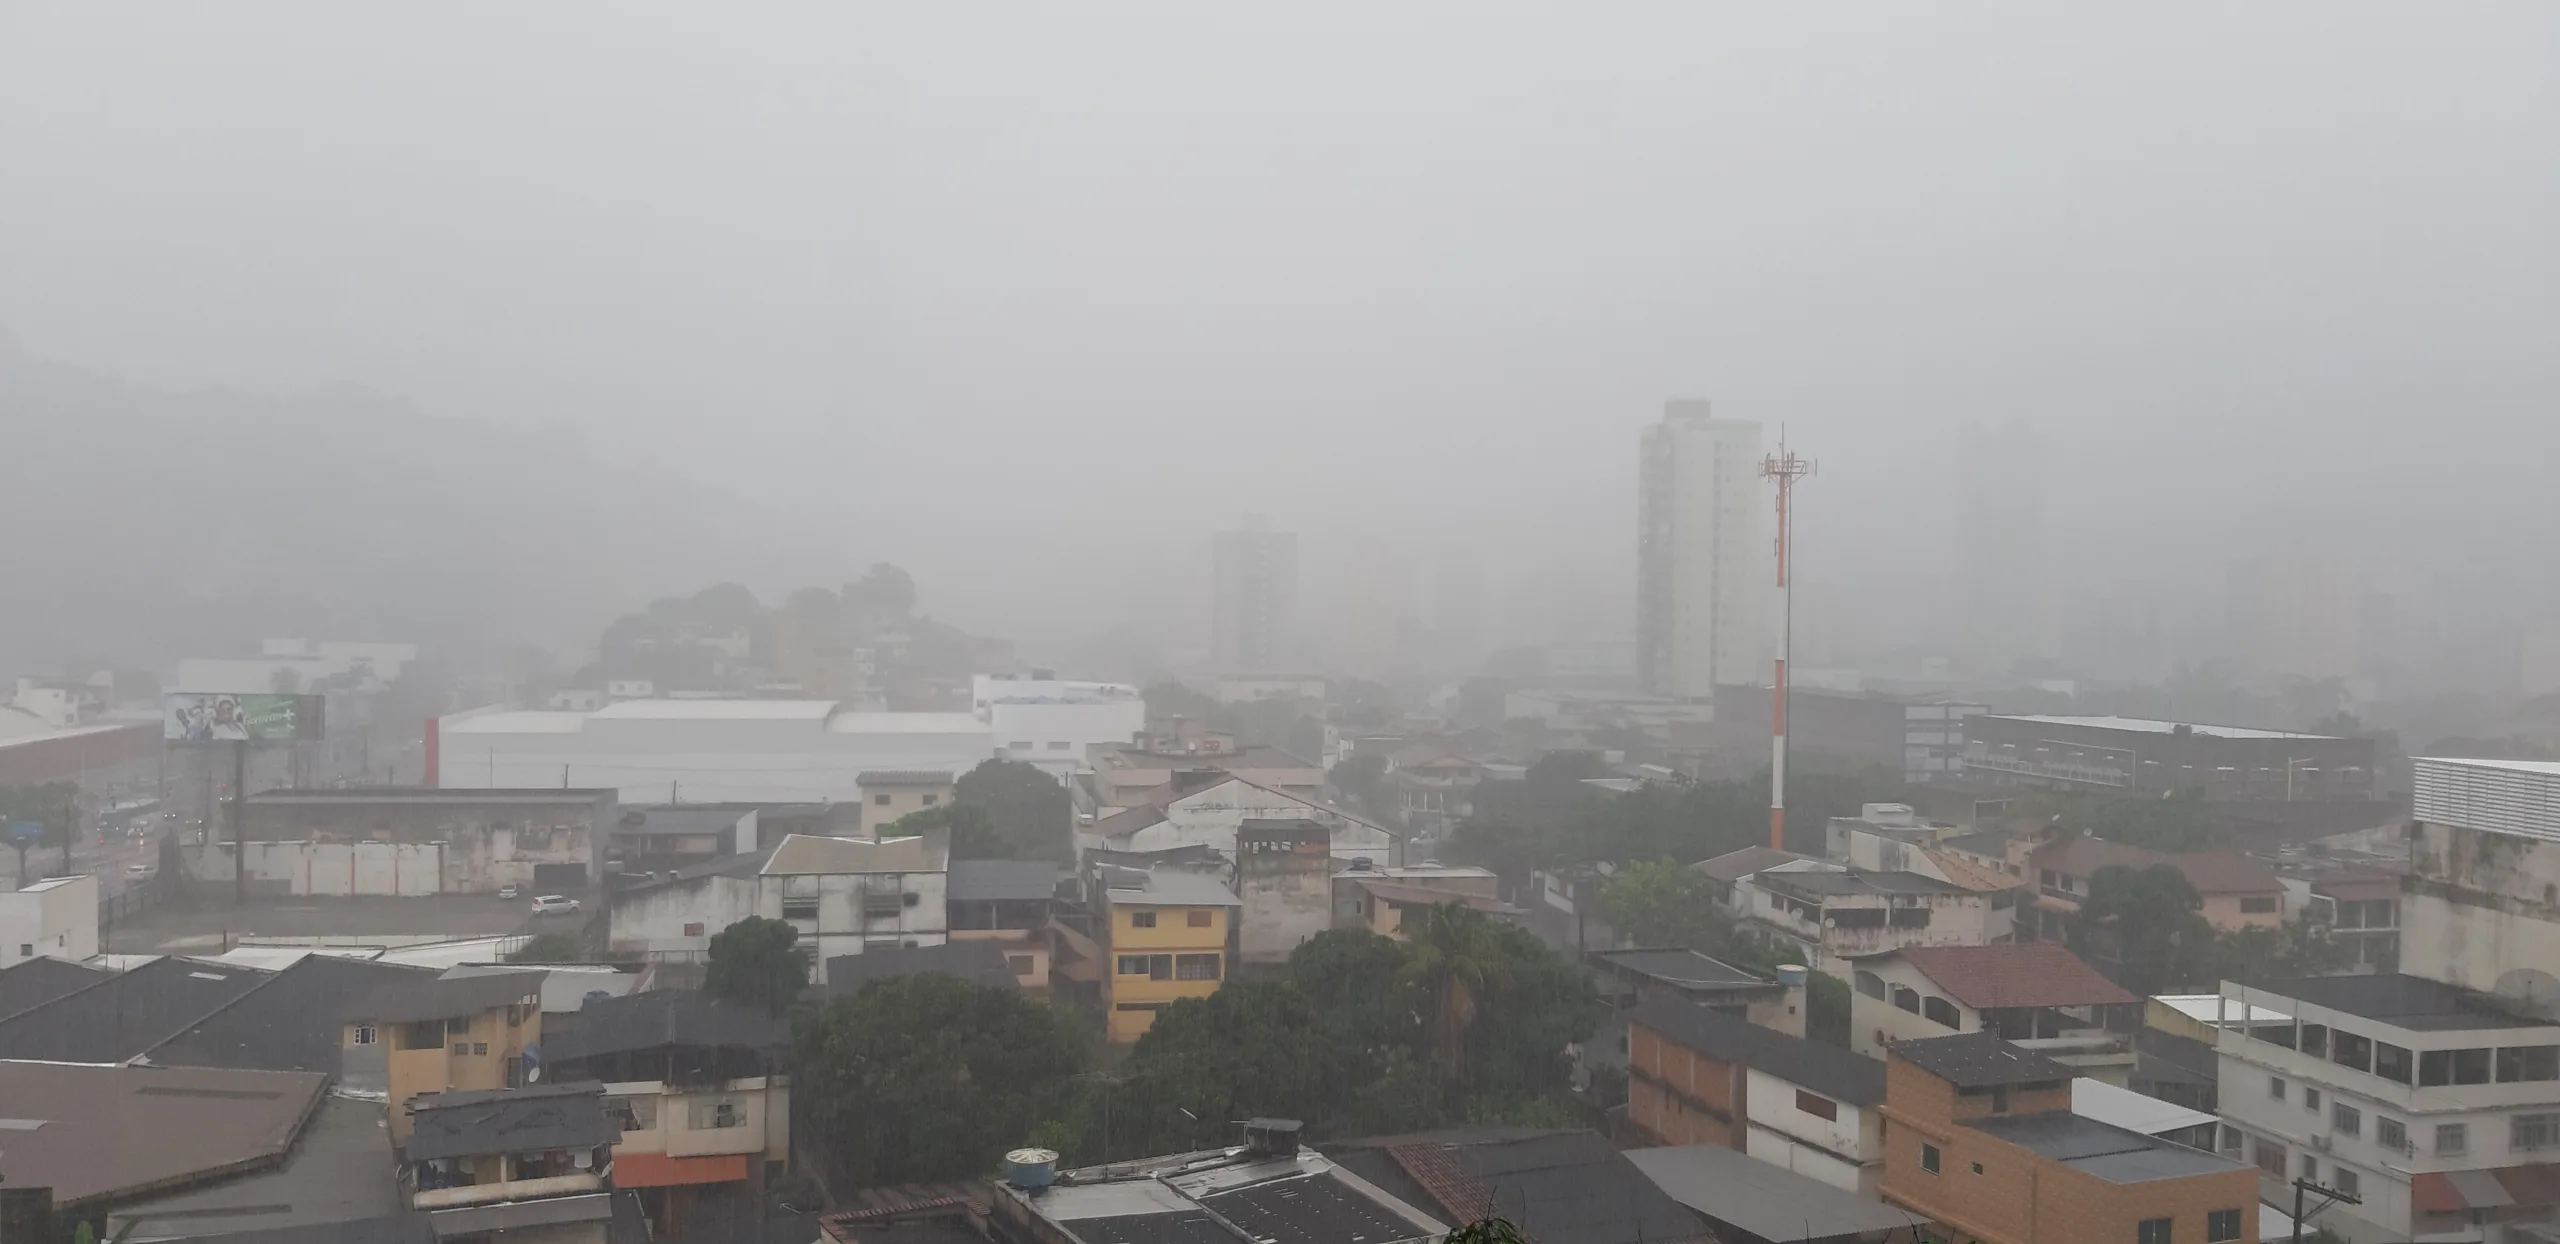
225,717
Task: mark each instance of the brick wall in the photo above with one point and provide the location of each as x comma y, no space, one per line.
1677,1097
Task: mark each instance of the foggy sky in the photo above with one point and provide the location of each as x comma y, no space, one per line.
1031,299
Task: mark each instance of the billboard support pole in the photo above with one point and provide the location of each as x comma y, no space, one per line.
239,822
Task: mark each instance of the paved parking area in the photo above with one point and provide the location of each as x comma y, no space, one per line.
207,924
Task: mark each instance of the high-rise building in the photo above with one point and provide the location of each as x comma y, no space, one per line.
1703,568
1253,599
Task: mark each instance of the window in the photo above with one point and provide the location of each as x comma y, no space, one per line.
2152,1231
2528,1062
1019,965
423,1035
1142,920
2221,1225
462,1049
1195,967
1197,917
2453,1139
1137,1006
1018,745
26,950
2000,1099
1059,745
1817,1105
2350,1050
366,1035
2257,906
2393,1062
881,800
1906,998
2390,1133
712,1114
2311,1099
2435,1067
1870,984
2046,875
2275,1087
2528,1132
1132,965
2311,1168
693,929
2231,1142
1977,1168
2270,1157
2471,1066
931,799
807,908
2315,1040
2345,1180
1929,1158
2346,1118
634,1114
1942,1011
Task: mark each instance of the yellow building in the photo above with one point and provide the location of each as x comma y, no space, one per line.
452,1034
1168,941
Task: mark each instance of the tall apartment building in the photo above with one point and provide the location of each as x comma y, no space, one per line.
1253,613
1703,568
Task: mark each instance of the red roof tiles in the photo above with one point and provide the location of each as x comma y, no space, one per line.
1989,978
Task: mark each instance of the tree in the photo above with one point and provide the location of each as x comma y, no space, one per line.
928,1077
755,962
1029,810
2150,920
1252,1048
1660,903
1537,1003
1352,977
884,590
973,834
1173,699
1453,956
1362,780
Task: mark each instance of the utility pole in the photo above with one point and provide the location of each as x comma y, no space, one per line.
239,822
1784,468
2331,1196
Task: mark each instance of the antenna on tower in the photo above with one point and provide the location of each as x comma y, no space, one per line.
1785,468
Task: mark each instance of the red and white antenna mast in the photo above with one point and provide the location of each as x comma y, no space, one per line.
1785,468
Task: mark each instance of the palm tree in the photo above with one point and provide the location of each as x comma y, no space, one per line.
1454,956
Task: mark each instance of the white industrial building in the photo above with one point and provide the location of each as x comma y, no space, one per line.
1050,722
56,918
700,751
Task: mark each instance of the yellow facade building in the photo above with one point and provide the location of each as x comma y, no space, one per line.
1168,941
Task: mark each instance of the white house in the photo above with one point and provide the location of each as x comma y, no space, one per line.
842,894
56,918
1827,916
2036,994
1697,1076
1207,808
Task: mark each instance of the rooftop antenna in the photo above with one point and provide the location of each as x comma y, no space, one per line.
1785,468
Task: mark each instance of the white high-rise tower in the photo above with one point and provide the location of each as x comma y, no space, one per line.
1703,561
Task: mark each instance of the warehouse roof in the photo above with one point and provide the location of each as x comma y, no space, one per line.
31,983
127,1013
1765,1200
120,1132
290,1022
446,997
1002,881
664,1017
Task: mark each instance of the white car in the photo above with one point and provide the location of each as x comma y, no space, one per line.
507,891
551,904
137,870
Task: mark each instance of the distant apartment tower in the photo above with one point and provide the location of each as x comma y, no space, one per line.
1703,571
1254,598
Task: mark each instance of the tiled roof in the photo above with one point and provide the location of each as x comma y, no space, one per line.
2208,872
2008,975
1733,866
1979,1060
1971,876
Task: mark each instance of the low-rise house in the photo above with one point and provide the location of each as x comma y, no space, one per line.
1698,1076
1826,916
664,839
978,963
846,895
888,794
699,1091
1381,900
1123,777
1208,807
55,918
2037,994
1007,903
2237,892
1980,1137
492,1164
1636,975
1433,788
416,840
1734,865
1267,1189
1558,1187
1165,938
469,1034
2135,1112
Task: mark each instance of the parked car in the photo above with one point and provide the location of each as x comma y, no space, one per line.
137,870
507,891
552,904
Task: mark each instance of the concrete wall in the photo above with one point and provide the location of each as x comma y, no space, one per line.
56,918
1284,874
1841,1151
2482,910
340,869
840,928
487,844
679,918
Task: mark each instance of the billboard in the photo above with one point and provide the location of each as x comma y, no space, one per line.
222,716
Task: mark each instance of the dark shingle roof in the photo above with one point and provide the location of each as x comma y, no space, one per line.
125,1014
289,1023
450,997
1979,1060
34,982
520,1120
979,963
1002,881
1825,1069
1557,1187
661,1018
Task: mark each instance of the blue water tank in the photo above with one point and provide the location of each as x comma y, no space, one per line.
1791,975
1031,1169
